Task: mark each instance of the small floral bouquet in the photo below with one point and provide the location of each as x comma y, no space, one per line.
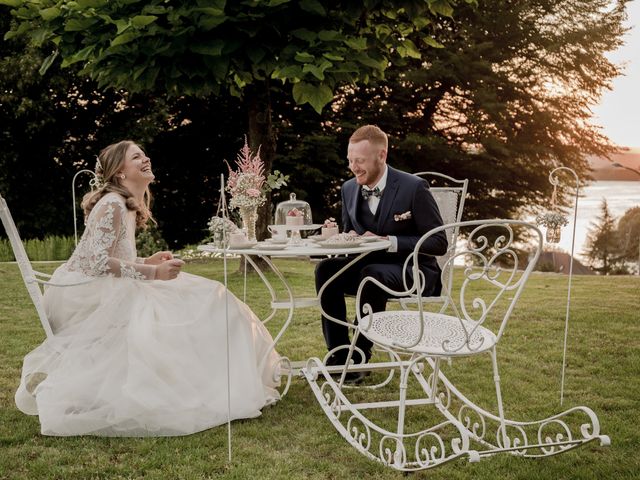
553,221
221,228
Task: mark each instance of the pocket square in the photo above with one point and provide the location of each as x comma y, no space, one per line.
398,217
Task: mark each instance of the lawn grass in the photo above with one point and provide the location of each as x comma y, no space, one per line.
294,439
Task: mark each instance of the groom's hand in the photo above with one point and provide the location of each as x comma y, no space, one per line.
169,269
371,234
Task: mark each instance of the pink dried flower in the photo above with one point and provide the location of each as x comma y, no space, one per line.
246,184
294,212
330,222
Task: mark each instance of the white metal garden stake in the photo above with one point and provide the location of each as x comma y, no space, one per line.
223,213
553,179
73,199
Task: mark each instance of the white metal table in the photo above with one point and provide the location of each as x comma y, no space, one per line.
291,301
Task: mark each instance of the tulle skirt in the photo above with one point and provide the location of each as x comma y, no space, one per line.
146,358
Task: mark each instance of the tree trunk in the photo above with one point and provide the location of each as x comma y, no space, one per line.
258,102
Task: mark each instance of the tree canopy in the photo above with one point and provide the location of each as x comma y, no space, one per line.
209,46
629,236
502,103
237,48
602,246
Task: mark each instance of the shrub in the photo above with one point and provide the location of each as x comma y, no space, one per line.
52,247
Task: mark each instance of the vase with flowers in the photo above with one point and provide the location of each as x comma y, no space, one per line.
248,186
553,222
221,228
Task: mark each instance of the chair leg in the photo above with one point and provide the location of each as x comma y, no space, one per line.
347,362
399,453
496,380
434,380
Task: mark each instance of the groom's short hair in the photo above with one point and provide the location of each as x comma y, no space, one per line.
372,133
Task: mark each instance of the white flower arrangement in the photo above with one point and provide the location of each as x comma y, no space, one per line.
221,229
219,225
552,220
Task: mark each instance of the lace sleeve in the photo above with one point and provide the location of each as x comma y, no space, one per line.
106,230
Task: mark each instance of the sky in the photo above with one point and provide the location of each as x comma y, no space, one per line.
619,110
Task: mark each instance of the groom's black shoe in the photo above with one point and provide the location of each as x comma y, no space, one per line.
356,378
351,378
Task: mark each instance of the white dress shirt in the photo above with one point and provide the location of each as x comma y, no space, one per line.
374,201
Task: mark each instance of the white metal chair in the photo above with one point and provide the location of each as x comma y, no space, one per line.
33,279
449,194
470,322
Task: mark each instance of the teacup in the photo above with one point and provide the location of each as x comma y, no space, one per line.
237,238
278,232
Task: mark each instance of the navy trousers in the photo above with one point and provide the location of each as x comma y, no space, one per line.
333,297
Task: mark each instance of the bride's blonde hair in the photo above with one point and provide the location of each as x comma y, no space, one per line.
110,162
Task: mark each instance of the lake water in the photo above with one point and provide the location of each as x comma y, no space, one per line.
620,197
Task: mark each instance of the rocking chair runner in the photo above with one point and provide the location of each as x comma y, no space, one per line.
33,279
470,322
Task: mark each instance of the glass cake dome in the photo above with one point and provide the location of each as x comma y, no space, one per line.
293,212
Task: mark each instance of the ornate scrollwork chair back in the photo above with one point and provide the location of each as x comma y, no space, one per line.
492,268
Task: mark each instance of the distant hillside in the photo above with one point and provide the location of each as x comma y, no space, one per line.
556,261
602,169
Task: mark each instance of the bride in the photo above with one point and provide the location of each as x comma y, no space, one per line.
140,347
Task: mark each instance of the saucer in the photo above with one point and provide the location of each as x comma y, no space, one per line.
243,246
271,246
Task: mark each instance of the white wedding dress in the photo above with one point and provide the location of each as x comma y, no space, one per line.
133,356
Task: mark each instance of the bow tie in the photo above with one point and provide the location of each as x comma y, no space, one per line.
366,193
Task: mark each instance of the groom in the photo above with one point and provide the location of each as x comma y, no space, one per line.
382,201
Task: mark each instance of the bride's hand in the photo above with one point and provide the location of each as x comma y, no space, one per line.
169,269
158,258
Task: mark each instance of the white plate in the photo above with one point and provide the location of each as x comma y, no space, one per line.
243,246
326,244
271,246
277,241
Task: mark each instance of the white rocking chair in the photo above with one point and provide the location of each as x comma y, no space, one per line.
470,322
33,279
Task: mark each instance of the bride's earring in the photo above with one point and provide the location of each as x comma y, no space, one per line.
122,176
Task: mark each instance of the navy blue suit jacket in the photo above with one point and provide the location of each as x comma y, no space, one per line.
402,193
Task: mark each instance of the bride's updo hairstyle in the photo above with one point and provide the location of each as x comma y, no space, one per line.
110,162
